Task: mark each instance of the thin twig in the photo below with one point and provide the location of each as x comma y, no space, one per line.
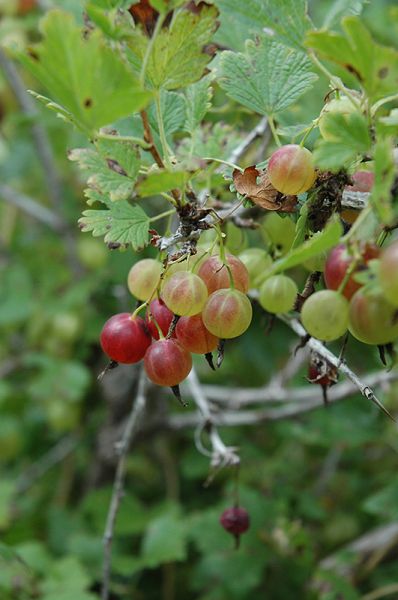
255,133
40,137
52,458
148,137
31,207
122,449
318,347
46,158
301,401
221,455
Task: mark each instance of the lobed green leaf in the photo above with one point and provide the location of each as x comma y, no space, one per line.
348,135
288,19
122,223
268,78
374,66
86,77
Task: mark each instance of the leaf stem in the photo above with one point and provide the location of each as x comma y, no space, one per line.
162,133
307,133
272,127
336,82
380,103
223,162
362,217
167,213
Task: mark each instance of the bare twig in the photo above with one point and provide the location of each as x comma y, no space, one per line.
46,158
356,200
53,457
255,133
236,397
31,207
122,448
385,536
221,455
298,402
318,347
40,138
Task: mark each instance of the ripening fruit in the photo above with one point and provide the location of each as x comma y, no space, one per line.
66,326
372,320
363,181
257,261
388,273
227,314
291,169
314,376
338,262
342,106
278,294
325,315
216,276
167,363
125,338
279,231
235,520
173,268
158,311
185,294
236,238
144,277
193,335
92,253
316,263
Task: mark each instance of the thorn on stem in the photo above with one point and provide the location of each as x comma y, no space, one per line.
306,338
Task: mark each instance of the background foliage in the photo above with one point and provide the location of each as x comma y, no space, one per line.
311,484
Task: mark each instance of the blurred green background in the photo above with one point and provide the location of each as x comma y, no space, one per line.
311,484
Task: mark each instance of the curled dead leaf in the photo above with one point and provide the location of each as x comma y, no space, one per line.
256,186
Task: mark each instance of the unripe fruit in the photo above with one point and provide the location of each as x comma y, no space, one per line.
291,169
278,294
342,106
92,253
125,339
388,273
325,315
173,268
167,363
193,335
66,326
185,294
372,320
363,181
216,276
278,231
227,314
144,278
158,311
235,520
257,261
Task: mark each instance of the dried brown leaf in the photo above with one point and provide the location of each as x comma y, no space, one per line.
256,186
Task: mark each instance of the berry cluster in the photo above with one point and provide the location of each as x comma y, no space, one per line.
195,302
361,296
190,306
